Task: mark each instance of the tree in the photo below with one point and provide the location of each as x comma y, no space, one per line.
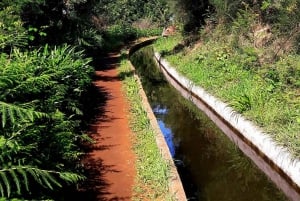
189,12
129,11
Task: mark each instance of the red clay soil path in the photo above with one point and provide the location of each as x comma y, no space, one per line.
111,161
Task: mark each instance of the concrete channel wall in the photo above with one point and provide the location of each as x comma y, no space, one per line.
275,161
175,184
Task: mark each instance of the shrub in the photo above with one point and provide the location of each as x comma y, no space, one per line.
40,117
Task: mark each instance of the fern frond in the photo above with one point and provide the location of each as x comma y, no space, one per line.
35,84
1,190
75,110
32,172
48,179
71,177
25,178
6,82
4,180
16,180
11,112
12,176
3,114
11,116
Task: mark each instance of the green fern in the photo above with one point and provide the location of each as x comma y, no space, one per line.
70,177
12,112
14,179
6,82
75,110
35,84
4,184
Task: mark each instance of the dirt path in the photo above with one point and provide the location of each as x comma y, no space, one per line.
111,161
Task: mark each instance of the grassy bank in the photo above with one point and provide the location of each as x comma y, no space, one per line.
152,170
264,92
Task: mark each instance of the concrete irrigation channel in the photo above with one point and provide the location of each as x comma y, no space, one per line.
275,161
175,183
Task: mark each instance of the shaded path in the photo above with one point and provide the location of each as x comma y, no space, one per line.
110,161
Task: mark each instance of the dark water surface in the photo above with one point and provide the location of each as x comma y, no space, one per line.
211,167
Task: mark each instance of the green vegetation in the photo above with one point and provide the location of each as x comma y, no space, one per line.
40,118
152,169
140,13
119,35
247,54
47,49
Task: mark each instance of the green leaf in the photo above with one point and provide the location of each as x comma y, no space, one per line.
16,180
31,37
4,180
25,178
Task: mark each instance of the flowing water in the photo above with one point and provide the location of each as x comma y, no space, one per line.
211,167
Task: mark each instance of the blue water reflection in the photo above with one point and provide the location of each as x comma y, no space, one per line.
168,136
167,132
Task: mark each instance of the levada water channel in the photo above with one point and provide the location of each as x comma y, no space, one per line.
211,167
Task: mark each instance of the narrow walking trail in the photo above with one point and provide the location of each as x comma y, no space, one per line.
110,162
